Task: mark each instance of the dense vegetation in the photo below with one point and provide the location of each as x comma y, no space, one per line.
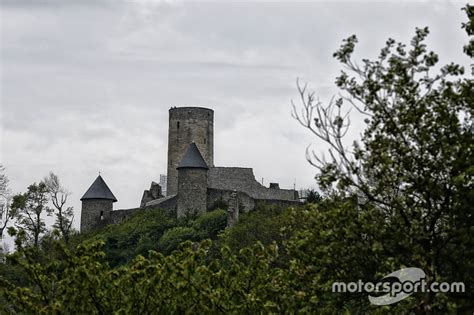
153,230
401,197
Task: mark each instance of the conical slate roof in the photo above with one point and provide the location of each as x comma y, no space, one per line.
99,190
192,158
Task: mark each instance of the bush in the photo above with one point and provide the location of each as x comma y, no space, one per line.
209,224
173,237
263,224
134,236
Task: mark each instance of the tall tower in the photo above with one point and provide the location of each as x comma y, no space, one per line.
187,125
97,203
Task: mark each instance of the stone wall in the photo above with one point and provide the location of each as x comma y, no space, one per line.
151,194
94,213
246,203
192,191
117,216
280,203
243,179
186,125
166,203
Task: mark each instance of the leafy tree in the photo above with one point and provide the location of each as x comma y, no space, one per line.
58,196
175,236
411,175
5,213
469,27
27,209
209,224
312,196
264,224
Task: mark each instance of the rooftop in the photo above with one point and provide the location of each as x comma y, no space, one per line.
99,190
192,158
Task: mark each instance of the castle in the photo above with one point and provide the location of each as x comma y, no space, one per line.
194,184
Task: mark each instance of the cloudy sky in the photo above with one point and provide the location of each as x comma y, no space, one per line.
86,85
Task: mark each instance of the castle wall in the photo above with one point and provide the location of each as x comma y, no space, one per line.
118,216
279,203
186,125
192,191
243,179
167,203
246,203
94,213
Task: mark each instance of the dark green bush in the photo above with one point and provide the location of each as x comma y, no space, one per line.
209,224
175,236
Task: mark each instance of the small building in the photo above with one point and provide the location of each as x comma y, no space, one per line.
97,205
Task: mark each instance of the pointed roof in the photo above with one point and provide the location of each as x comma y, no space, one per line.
192,158
99,190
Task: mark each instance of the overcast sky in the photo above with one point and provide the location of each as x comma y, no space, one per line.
86,85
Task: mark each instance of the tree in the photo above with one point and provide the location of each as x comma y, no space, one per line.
27,209
58,196
313,196
411,174
5,213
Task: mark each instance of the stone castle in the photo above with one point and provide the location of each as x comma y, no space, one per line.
194,184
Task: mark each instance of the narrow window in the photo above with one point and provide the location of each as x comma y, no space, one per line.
205,140
177,124
102,215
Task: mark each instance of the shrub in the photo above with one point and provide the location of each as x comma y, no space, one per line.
209,224
173,237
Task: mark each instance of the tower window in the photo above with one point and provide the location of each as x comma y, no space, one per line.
177,125
102,215
205,140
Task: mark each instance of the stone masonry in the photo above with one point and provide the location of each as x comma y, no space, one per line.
187,125
193,183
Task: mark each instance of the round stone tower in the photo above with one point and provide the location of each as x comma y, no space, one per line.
192,182
97,203
187,125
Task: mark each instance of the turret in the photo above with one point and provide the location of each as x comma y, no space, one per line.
192,182
187,125
97,203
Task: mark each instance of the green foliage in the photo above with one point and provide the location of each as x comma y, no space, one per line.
175,236
313,196
134,236
58,196
401,198
209,224
156,229
27,209
469,27
264,224
5,213
410,178
180,283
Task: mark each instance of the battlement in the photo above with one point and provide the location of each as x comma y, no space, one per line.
195,113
